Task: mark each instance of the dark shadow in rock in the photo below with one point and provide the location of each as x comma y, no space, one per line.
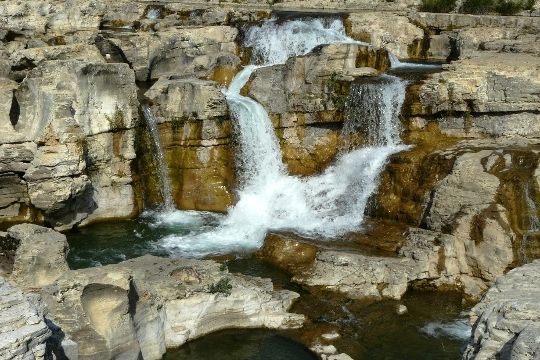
15,111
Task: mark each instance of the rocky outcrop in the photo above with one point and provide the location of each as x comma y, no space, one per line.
394,32
22,325
142,306
40,256
206,52
195,131
507,320
69,144
479,196
484,95
475,223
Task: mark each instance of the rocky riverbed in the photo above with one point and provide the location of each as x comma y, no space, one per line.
390,150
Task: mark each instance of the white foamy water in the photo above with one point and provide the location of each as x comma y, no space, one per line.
326,205
458,329
395,63
273,42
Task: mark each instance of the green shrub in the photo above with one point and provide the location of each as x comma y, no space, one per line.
223,286
478,6
438,6
512,7
502,7
117,120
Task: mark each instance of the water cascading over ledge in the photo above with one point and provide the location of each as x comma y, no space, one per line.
163,171
323,206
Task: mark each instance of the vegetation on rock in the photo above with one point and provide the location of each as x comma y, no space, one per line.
438,6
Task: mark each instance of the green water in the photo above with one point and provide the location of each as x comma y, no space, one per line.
368,330
113,242
374,330
242,345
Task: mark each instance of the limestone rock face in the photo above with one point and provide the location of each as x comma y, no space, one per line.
148,304
506,321
488,95
480,201
195,131
385,30
22,325
69,141
190,52
470,33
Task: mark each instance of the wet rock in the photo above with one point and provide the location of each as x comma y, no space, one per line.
22,325
359,276
506,321
341,356
330,336
195,132
474,208
305,99
401,309
287,253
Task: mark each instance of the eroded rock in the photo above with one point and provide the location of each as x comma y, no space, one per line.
22,325
40,255
142,306
506,321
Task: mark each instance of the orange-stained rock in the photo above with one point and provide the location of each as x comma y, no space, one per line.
288,252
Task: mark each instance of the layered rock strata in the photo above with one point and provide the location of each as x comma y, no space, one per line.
140,307
507,320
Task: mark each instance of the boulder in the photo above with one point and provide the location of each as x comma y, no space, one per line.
287,252
40,256
506,321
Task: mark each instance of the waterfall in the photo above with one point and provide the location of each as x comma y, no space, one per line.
274,43
326,205
373,107
163,173
534,223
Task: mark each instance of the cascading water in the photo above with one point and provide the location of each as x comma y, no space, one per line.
269,199
534,224
163,173
395,63
380,99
